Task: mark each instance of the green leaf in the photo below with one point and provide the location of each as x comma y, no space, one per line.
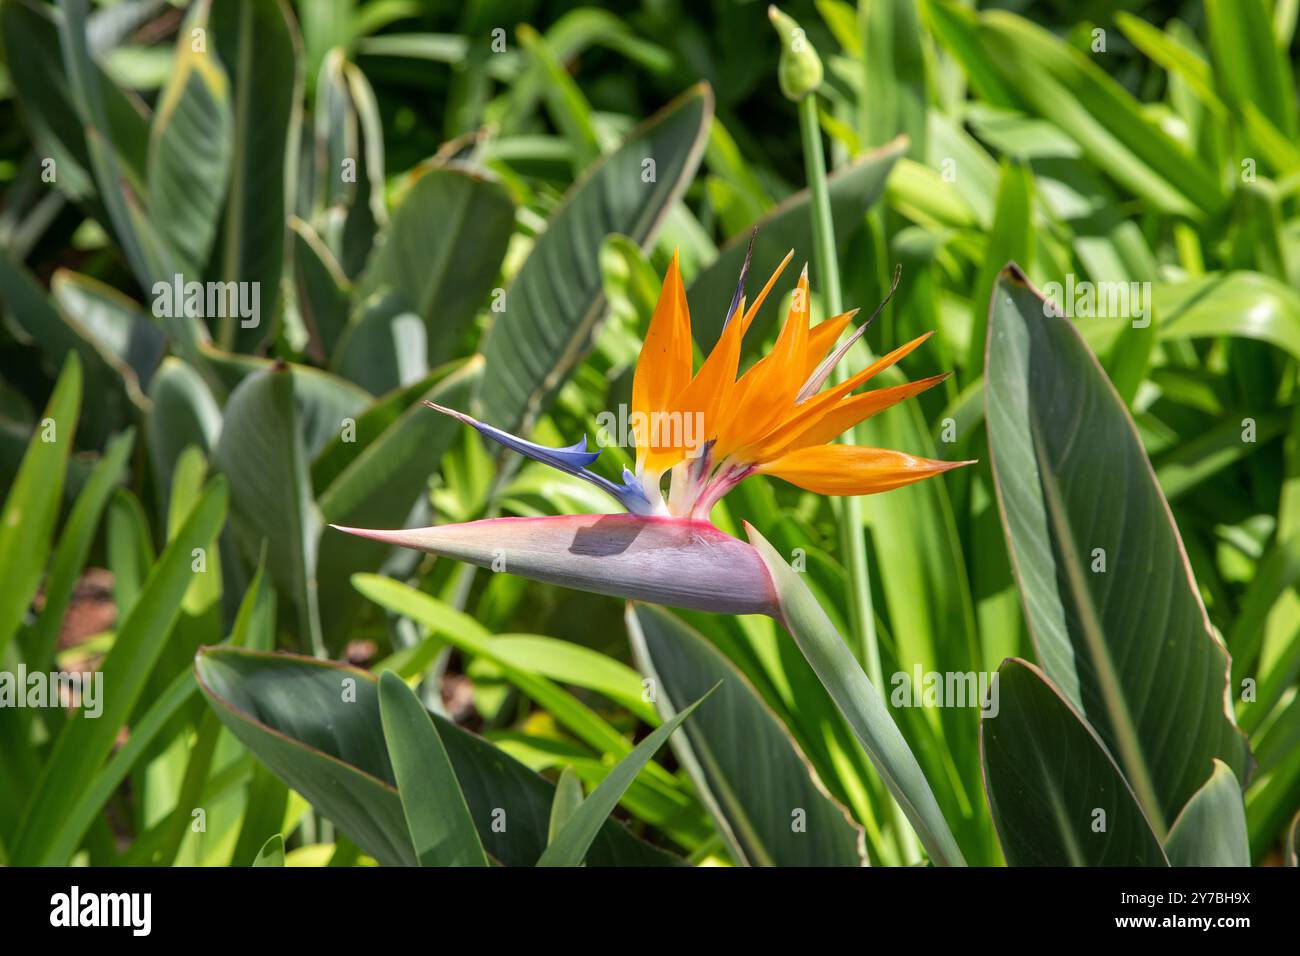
861,705
1059,83
316,724
323,290
190,149
85,743
258,45
570,663
376,481
182,413
441,828
1211,830
1249,64
443,251
143,249
35,66
568,797
853,190
1011,240
272,852
755,802
555,303
385,347
570,845
74,548
261,451
32,506
1057,797
61,846
1108,595
122,334
56,332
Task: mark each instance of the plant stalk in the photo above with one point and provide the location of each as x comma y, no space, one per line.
853,542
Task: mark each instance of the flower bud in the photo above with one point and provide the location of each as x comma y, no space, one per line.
800,68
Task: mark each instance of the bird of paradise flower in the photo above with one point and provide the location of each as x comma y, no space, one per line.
776,419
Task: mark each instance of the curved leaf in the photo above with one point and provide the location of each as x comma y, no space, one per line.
1057,797
442,251
569,846
1211,830
1108,594
258,45
861,705
291,712
773,811
441,828
555,302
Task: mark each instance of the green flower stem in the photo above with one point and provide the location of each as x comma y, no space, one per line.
853,542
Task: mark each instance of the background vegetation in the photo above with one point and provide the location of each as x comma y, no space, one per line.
449,201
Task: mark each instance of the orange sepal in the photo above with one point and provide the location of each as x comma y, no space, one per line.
664,367
853,469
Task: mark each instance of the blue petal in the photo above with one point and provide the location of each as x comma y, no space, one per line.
572,460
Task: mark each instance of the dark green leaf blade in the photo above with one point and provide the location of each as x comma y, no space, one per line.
556,300
1108,595
755,802
1056,796
442,831
316,725
569,848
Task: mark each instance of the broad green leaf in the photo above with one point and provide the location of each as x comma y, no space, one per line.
323,400
261,451
316,724
861,705
182,412
127,339
85,742
853,190
1109,598
323,290
141,245
555,303
32,505
259,47
376,480
1056,795
442,251
190,149
272,852
441,828
755,802
572,842
35,67
1211,829
385,347
56,332
1244,304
